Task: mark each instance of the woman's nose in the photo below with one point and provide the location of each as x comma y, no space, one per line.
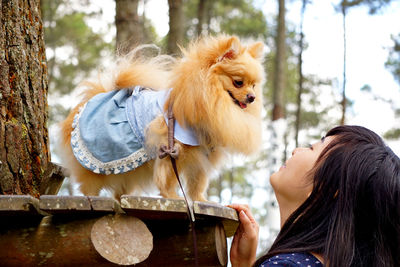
297,149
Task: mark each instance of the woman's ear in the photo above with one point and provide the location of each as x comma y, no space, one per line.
256,50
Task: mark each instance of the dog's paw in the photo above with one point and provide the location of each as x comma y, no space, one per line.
200,199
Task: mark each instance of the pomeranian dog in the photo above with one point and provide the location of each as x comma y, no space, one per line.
111,139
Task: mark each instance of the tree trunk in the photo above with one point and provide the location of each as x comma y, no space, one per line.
277,128
128,24
176,29
301,76
209,15
278,111
201,9
24,142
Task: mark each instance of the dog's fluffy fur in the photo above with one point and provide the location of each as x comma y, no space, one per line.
211,84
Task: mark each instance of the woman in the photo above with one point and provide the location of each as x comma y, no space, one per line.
339,202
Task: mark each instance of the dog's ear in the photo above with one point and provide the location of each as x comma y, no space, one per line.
256,50
230,49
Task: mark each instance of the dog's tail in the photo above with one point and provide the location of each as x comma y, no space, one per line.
143,66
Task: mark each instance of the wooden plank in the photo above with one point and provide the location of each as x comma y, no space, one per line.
78,205
228,216
215,210
163,208
18,205
154,208
53,179
104,204
64,204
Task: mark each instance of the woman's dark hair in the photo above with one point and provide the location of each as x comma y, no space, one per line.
352,216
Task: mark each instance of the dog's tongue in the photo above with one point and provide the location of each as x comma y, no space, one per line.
242,105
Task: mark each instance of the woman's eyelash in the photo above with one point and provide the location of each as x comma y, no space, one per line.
310,146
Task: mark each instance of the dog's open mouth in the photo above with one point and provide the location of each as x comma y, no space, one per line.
237,102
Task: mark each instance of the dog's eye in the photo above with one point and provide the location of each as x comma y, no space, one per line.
237,83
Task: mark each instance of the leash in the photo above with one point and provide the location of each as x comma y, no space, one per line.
173,155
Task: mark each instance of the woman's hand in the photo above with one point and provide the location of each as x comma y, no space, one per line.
244,244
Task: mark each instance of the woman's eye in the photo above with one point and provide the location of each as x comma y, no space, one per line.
237,83
310,146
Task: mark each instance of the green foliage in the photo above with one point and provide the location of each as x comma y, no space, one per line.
73,48
314,114
150,33
374,5
236,17
366,88
236,179
393,62
392,134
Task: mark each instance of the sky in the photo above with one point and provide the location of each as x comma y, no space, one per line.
368,40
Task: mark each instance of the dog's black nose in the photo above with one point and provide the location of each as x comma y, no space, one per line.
250,98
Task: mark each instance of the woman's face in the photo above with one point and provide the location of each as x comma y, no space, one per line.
292,184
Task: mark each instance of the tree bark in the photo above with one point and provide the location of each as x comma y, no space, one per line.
24,142
278,111
176,30
128,24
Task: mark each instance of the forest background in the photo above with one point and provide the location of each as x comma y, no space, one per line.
326,62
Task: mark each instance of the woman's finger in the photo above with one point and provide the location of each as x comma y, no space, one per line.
249,215
239,207
245,208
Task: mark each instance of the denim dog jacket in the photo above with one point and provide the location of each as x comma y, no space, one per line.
108,134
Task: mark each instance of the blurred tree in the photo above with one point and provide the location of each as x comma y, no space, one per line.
235,17
176,26
24,142
236,179
72,47
130,31
201,15
393,62
73,51
344,102
373,5
132,28
278,110
301,76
